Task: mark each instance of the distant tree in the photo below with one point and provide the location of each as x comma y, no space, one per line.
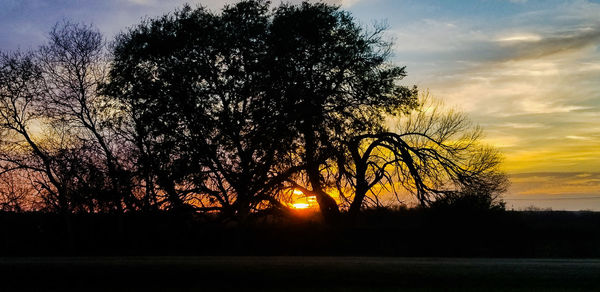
16,193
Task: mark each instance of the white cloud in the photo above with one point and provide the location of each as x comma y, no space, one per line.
523,125
525,37
573,137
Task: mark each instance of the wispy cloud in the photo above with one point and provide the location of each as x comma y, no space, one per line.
573,137
529,78
520,37
523,125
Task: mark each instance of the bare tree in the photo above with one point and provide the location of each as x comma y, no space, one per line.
20,89
434,154
73,65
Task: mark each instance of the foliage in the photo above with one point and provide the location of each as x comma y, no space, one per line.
239,111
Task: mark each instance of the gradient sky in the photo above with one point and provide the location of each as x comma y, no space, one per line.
527,71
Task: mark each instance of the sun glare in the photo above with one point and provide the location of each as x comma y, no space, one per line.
301,205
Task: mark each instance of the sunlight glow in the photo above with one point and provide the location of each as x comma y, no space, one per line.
301,205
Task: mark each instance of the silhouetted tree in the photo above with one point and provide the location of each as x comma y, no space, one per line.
198,90
20,88
16,193
73,64
59,129
437,155
336,82
239,103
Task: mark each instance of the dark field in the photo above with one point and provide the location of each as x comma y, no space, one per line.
408,233
297,274
406,250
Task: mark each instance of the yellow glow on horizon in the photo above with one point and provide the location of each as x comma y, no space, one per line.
582,156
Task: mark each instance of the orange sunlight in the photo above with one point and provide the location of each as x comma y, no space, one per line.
302,201
301,205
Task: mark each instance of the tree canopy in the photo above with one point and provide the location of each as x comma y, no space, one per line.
259,95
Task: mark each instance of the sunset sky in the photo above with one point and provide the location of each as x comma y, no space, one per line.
527,71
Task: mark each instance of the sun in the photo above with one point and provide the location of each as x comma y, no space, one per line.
302,201
301,205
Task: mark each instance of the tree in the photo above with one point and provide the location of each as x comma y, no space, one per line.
57,127
336,82
250,98
437,155
73,64
211,130
20,89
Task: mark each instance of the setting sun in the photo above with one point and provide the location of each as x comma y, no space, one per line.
301,205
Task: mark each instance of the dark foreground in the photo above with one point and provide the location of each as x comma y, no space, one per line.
297,274
407,233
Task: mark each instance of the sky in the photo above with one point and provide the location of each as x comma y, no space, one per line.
527,71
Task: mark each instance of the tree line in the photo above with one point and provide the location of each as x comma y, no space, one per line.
229,113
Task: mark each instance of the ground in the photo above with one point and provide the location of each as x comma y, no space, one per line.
297,274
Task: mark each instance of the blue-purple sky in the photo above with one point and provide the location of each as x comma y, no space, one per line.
527,71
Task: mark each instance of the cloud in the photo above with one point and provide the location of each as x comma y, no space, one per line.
529,78
531,46
555,183
142,2
573,137
525,37
523,125
342,3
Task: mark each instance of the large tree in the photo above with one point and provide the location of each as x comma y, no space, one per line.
198,91
239,103
336,82
435,154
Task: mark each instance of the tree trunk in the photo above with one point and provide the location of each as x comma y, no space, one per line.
327,205
362,186
359,197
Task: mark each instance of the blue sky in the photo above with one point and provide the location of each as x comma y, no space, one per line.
526,70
